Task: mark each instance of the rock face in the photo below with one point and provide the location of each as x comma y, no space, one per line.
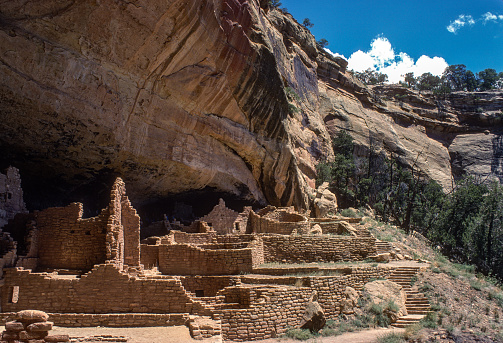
173,95
325,202
225,95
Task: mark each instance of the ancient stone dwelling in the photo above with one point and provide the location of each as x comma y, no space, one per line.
95,271
11,195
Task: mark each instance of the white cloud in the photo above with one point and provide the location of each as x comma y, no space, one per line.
360,61
336,54
461,21
464,20
489,17
382,57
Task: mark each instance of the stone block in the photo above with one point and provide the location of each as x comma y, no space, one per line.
7,336
31,316
14,326
25,335
39,327
57,338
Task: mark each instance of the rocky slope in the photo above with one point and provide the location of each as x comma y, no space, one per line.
211,95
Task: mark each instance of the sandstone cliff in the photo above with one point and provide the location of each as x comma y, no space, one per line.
218,95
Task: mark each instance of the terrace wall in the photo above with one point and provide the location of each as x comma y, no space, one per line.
299,249
103,290
274,310
184,259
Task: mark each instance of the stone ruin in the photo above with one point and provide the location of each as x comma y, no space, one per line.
11,195
227,279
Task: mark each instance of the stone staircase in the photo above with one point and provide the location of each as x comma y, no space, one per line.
416,303
383,247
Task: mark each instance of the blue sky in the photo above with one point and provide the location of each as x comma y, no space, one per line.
466,32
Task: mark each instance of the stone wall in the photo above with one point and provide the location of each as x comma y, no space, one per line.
110,320
279,222
330,288
149,255
298,249
123,229
221,218
184,259
67,241
11,195
207,286
105,289
274,310
189,238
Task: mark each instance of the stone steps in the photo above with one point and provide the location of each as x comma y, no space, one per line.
383,247
405,321
416,303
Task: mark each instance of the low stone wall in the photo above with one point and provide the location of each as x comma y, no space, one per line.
149,255
284,225
110,320
103,290
330,288
184,259
235,238
209,285
298,249
276,310
193,238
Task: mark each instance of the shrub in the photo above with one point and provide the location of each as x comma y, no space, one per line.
392,338
299,334
430,321
348,212
476,285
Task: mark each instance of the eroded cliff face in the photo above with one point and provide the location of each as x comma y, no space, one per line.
172,95
176,96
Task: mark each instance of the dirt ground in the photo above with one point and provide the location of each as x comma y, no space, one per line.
180,334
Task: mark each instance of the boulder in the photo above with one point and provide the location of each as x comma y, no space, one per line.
25,335
14,326
57,338
316,230
314,316
383,292
386,257
350,302
325,202
31,316
346,228
40,327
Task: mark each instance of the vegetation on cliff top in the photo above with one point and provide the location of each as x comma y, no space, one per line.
455,78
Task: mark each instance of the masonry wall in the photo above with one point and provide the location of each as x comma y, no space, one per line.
11,195
190,238
275,311
298,249
184,259
221,218
103,290
66,241
110,320
149,255
210,285
330,288
123,229
286,224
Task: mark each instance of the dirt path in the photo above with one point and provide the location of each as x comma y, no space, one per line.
366,336
180,334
